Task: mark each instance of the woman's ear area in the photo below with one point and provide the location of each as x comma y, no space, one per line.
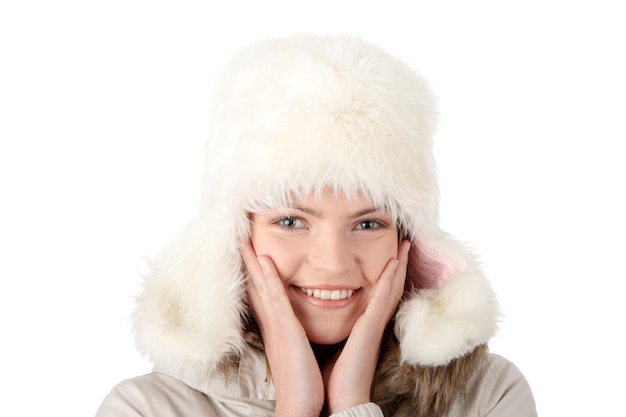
248,234
245,246
403,232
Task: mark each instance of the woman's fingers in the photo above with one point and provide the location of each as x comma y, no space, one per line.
265,289
251,261
389,288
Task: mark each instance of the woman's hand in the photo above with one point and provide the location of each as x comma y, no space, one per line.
295,371
349,375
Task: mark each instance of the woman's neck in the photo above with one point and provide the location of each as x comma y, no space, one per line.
324,352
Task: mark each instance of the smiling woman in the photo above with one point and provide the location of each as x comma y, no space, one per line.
315,279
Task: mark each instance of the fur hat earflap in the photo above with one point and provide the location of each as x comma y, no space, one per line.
296,115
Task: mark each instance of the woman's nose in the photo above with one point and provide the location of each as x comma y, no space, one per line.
331,253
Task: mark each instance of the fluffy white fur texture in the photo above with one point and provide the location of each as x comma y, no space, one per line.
296,115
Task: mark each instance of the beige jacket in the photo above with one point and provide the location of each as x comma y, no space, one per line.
501,392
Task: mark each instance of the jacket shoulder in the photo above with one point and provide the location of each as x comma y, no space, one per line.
154,394
502,391
159,394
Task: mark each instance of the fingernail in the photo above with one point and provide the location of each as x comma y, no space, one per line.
263,262
394,264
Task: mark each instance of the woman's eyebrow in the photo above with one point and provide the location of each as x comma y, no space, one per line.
365,211
306,210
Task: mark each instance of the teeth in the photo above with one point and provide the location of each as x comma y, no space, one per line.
327,294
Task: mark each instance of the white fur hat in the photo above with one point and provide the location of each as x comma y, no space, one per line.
300,114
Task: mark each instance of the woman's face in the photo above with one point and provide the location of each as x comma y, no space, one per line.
329,252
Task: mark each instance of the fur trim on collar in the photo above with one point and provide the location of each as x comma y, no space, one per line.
297,115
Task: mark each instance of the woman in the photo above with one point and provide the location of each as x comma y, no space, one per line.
315,279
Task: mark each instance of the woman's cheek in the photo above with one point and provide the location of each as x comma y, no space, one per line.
286,257
378,258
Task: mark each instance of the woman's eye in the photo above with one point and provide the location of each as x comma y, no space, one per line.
289,222
367,225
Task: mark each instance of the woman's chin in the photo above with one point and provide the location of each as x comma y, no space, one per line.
327,336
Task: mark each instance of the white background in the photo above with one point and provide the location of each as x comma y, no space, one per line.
103,113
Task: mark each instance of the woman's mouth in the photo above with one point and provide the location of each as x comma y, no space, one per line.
327,294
